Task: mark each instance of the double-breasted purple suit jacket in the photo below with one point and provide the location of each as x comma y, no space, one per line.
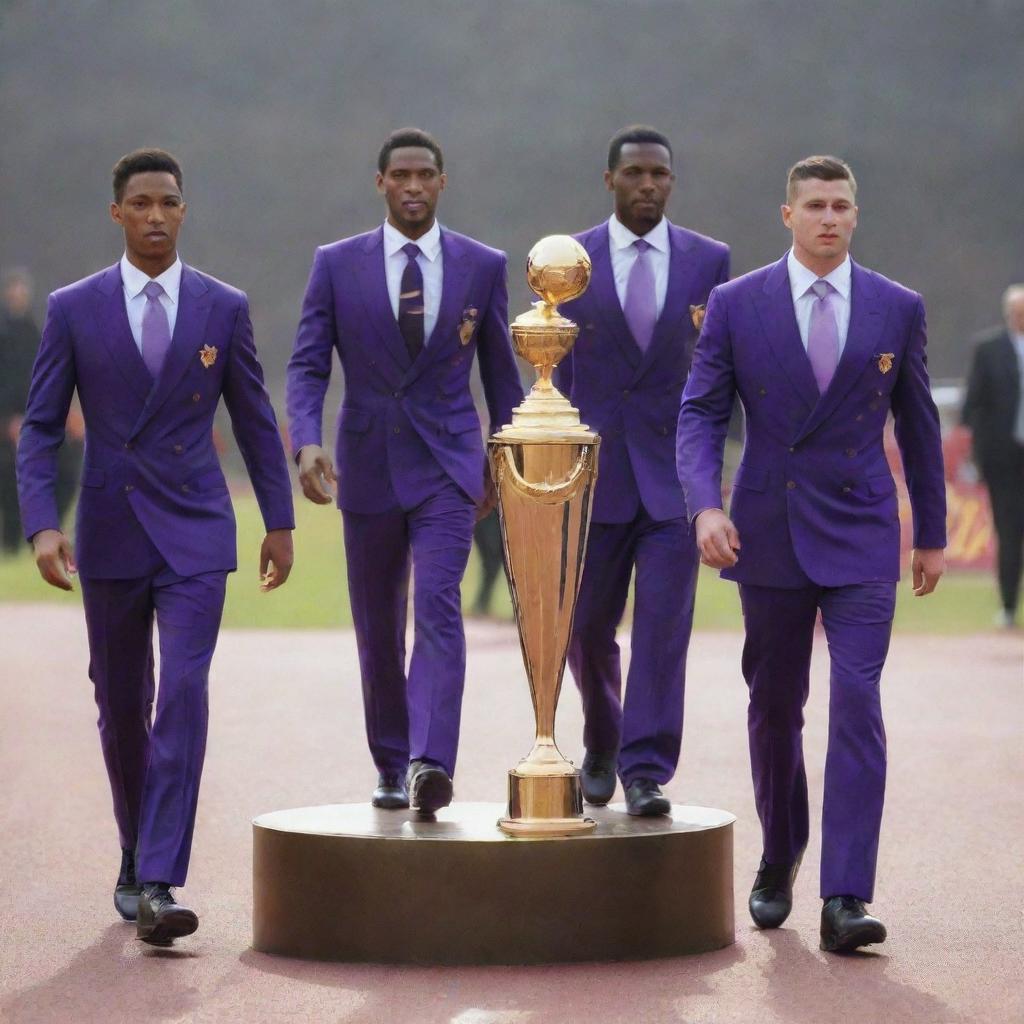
814,499
631,398
394,406
151,476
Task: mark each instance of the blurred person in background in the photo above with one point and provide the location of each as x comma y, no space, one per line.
488,544
994,411
639,321
151,346
819,350
406,306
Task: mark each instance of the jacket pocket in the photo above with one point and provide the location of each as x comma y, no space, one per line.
208,482
356,420
880,485
93,477
463,422
752,478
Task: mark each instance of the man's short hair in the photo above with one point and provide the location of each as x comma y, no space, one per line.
143,161
409,137
635,133
822,168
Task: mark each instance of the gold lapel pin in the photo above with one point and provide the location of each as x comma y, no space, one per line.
697,315
208,355
885,361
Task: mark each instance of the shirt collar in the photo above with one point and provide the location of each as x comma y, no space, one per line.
430,243
135,280
801,279
623,238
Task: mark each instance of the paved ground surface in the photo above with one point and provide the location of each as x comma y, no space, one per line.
286,731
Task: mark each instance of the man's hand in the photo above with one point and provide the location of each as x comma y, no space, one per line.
55,558
927,565
276,557
13,428
316,474
717,539
484,509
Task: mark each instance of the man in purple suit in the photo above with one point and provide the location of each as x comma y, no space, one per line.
625,374
406,307
151,345
819,351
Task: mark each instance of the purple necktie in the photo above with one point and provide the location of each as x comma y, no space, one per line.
411,308
822,337
641,307
156,332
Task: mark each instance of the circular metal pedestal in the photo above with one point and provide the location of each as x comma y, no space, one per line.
348,882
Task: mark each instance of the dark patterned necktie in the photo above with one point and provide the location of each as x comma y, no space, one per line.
410,303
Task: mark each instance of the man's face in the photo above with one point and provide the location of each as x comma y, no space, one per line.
1015,314
410,185
17,297
641,182
151,212
822,216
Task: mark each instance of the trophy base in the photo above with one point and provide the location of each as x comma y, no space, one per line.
545,805
353,883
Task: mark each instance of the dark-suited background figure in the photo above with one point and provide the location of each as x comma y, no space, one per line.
151,346
638,325
406,307
994,410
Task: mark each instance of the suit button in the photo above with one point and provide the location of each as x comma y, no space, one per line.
791,485
625,393
664,431
851,452
792,449
128,488
846,489
196,397
178,449
398,430
396,394
859,417
185,488
128,446
762,391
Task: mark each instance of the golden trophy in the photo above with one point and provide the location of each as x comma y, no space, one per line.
544,465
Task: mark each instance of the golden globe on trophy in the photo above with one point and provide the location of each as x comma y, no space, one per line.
544,465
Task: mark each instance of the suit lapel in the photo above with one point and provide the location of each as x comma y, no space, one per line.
116,333
456,274
194,302
778,320
862,338
373,289
602,285
676,304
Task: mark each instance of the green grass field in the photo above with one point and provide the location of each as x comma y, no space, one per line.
316,596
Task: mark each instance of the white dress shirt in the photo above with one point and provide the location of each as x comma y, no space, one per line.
800,281
620,242
134,280
430,262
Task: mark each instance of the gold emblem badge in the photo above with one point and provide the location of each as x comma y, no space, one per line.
697,315
468,324
208,355
885,361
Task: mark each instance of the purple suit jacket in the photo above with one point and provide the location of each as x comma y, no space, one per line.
631,398
394,406
814,497
151,475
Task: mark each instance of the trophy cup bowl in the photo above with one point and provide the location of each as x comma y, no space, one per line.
544,465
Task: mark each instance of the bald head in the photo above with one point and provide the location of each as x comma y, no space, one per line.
1013,308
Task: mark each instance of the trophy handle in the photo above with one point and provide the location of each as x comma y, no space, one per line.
548,494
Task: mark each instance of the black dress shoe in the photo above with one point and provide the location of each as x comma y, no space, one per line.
598,778
127,890
771,898
846,925
161,920
429,785
390,792
644,799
